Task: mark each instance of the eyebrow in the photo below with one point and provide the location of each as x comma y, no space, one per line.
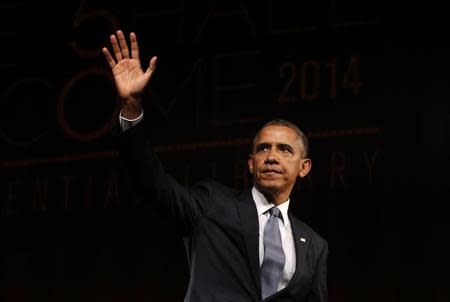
280,145
287,146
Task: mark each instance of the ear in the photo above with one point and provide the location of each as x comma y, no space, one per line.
305,167
250,163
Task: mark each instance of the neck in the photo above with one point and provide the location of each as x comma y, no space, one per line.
275,198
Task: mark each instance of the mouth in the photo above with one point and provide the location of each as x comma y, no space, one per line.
271,171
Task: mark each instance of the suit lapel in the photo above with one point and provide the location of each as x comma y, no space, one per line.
301,243
250,230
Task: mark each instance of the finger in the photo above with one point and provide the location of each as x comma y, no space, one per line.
123,45
134,46
108,57
151,68
116,49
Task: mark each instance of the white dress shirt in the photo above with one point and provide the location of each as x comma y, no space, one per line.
287,239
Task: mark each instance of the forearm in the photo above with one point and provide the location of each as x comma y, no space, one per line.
153,184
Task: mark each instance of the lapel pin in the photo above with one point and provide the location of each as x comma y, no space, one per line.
302,239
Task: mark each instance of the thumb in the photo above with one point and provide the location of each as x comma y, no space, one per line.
151,68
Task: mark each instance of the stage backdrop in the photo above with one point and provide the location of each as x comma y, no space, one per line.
369,88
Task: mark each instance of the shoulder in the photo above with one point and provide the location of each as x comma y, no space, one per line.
215,189
212,184
223,201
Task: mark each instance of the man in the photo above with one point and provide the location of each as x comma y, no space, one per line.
241,246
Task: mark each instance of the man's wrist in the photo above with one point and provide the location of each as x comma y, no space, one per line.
133,119
126,123
131,112
132,107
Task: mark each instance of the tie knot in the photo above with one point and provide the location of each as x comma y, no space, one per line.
275,212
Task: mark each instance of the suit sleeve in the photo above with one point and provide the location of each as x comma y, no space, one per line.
319,289
153,185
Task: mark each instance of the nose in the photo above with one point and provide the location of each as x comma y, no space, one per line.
271,158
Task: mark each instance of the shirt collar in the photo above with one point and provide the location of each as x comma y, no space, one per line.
263,205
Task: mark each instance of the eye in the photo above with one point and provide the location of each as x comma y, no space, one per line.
285,149
262,147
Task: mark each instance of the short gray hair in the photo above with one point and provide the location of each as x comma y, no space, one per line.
288,124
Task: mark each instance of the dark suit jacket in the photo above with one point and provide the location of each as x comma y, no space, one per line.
220,228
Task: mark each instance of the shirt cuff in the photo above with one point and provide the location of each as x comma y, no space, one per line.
126,123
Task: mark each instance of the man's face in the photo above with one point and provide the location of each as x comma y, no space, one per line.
277,160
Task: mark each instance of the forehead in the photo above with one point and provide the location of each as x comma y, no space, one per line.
277,134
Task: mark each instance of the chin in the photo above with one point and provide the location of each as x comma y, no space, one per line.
268,188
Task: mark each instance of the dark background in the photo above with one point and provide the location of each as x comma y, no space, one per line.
368,81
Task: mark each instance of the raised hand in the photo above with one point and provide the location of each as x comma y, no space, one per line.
129,77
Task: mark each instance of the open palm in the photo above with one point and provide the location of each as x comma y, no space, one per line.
129,77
